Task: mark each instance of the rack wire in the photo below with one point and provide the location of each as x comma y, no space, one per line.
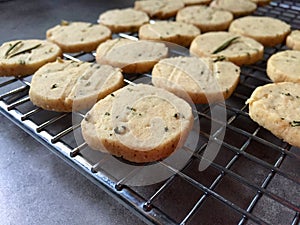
253,180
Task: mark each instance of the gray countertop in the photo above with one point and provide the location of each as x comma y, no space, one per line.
37,187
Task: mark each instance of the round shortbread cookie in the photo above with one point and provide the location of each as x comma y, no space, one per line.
205,18
139,123
284,66
237,7
123,20
237,49
78,36
159,9
196,2
66,85
170,31
202,79
266,30
131,56
293,40
261,2
24,57
276,107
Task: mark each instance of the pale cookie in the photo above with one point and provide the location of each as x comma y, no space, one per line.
266,30
293,40
202,79
276,107
78,36
139,123
159,9
67,85
123,20
284,66
237,49
24,57
237,7
131,56
196,2
261,2
205,18
170,31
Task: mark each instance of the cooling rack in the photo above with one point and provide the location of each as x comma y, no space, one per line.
254,179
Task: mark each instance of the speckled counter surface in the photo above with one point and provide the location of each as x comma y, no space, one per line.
37,187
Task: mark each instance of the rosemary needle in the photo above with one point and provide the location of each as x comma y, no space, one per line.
11,48
25,50
224,45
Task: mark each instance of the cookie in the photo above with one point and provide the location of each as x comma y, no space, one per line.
284,66
235,48
123,20
24,57
196,2
205,18
266,30
138,123
67,85
131,56
202,79
78,36
293,40
159,9
276,108
237,7
170,31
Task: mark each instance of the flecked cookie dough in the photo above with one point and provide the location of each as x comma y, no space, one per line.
205,18
24,57
139,123
284,66
276,107
266,30
78,36
228,46
123,20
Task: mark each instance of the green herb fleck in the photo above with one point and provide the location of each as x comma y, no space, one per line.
295,123
11,48
166,129
286,94
131,109
54,86
25,50
107,114
219,58
225,45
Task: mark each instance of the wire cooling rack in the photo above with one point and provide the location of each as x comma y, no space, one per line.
254,179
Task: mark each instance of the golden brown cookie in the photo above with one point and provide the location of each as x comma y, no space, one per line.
276,108
202,79
78,36
67,85
235,48
123,20
139,123
159,9
205,18
24,57
131,56
284,66
170,31
266,30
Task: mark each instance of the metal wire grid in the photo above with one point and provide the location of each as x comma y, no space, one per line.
254,179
